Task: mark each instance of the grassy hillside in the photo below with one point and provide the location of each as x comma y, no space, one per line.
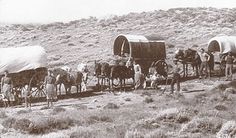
88,39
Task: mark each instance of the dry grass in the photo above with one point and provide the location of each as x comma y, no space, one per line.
228,130
172,117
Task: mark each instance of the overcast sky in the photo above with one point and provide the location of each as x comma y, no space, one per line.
45,11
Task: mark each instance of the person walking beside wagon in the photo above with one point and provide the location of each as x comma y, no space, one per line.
139,78
6,87
204,65
229,66
49,85
176,77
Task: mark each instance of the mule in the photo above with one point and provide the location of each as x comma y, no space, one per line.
102,72
61,76
191,57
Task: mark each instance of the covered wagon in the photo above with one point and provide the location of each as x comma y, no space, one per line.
27,66
222,45
144,49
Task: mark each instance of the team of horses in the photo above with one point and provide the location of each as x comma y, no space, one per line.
191,57
70,78
107,75
113,74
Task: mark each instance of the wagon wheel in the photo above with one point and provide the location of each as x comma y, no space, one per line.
162,68
156,85
37,89
115,82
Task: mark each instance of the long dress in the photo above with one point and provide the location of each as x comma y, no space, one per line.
6,89
50,89
139,78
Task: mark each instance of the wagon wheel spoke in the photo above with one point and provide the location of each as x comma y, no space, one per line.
162,67
116,82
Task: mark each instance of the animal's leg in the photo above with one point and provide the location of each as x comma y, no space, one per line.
60,89
186,70
69,91
98,81
197,70
77,88
102,83
66,89
112,83
109,84
124,84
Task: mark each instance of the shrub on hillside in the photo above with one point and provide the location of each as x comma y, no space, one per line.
156,133
230,91
148,99
22,124
120,130
181,115
127,99
57,110
3,114
221,87
148,124
172,115
83,132
220,107
8,122
228,130
202,125
95,119
134,134
111,106
40,126
23,111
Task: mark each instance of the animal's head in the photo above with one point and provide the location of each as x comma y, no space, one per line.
82,67
105,69
62,76
179,54
190,53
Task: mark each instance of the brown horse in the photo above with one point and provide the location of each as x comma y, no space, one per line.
68,79
121,73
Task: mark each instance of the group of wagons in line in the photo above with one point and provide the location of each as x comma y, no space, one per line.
28,65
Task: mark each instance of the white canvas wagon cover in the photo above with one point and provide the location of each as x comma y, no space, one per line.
222,44
22,58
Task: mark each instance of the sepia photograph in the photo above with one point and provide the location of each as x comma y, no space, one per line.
117,69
